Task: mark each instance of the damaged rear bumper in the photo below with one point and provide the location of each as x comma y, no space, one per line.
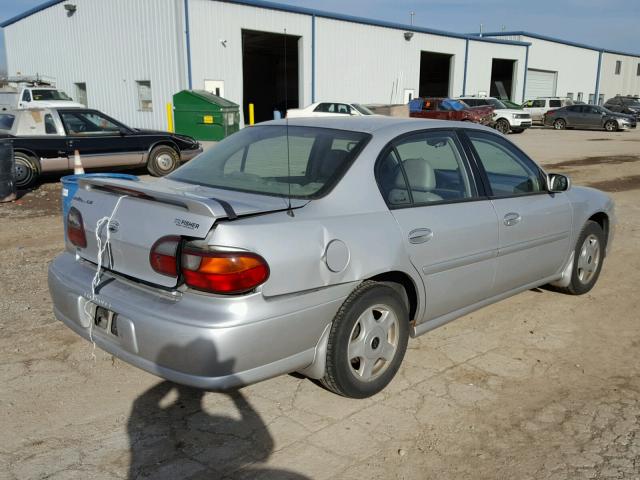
204,341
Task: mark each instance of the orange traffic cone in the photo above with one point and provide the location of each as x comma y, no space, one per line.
77,163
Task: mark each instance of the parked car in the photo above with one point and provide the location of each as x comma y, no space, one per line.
588,116
35,97
541,105
329,109
626,105
319,246
505,119
44,140
449,109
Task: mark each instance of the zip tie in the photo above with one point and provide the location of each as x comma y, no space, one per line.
96,278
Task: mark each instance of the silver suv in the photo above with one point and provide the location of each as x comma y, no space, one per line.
541,105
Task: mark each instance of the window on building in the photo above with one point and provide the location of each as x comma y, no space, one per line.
144,95
570,95
579,97
81,93
618,66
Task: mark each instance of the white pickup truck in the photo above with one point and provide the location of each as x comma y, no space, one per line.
36,97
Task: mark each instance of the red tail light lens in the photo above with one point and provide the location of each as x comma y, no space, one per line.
550,112
163,256
223,272
75,228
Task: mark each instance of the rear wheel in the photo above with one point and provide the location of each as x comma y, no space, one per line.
588,257
162,161
611,126
559,124
27,170
367,341
503,126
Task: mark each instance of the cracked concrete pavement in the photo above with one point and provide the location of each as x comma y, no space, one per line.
540,386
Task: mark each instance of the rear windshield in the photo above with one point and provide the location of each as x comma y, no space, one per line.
255,160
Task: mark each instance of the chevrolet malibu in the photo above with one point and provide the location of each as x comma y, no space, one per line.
319,246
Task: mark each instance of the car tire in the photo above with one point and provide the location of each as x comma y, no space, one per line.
519,130
611,126
503,126
588,258
27,170
559,124
367,341
163,160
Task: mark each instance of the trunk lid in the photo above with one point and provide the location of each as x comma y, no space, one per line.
143,212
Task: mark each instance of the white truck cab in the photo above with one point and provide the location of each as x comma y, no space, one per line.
36,97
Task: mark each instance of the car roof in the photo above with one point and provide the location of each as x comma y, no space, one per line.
371,123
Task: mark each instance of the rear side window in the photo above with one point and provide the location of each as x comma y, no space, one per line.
509,172
274,160
49,125
423,168
555,103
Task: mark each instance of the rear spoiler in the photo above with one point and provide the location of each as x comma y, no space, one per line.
193,203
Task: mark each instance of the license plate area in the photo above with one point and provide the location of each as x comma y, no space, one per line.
106,320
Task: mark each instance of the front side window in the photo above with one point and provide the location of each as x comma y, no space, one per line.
538,104
275,160
88,123
509,171
423,168
26,96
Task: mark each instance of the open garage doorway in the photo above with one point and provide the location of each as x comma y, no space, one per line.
435,74
502,74
265,73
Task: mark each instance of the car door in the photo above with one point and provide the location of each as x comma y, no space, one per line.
574,115
592,116
448,227
100,140
533,224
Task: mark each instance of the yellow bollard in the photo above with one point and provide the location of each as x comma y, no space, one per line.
251,117
169,117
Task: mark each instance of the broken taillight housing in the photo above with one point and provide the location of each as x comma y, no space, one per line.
163,256
226,272
75,228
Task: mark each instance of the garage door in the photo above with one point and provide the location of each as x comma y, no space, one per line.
540,83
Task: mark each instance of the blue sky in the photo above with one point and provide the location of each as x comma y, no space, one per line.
609,24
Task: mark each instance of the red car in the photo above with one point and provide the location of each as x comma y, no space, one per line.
449,109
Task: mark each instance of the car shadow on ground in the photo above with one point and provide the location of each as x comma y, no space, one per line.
171,435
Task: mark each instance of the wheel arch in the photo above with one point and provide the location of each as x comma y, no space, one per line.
403,282
160,143
602,219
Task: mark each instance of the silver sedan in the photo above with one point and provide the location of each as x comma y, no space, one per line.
319,246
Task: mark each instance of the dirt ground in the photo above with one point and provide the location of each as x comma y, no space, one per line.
540,386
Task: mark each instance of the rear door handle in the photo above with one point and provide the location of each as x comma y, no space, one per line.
420,235
512,218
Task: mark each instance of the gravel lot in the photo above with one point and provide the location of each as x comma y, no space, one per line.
540,386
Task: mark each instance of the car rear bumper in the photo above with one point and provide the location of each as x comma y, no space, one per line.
204,341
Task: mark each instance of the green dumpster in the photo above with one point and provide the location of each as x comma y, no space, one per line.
205,116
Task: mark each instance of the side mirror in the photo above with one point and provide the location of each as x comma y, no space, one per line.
557,182
123,132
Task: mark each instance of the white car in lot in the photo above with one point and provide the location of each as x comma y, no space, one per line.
506,119
541,105
329,109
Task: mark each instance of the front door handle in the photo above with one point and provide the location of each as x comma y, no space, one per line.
512,218
420,235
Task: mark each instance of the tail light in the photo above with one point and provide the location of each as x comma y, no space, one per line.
550,112
75,228
223,272
164,256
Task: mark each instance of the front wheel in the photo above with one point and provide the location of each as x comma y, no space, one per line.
559,124
588,257
503,126
611,126
162,161
367,341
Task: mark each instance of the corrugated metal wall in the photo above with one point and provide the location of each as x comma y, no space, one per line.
368,64
626,83
212,22
109,45
481,55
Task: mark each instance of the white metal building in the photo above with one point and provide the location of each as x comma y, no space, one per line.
561,68
128,57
